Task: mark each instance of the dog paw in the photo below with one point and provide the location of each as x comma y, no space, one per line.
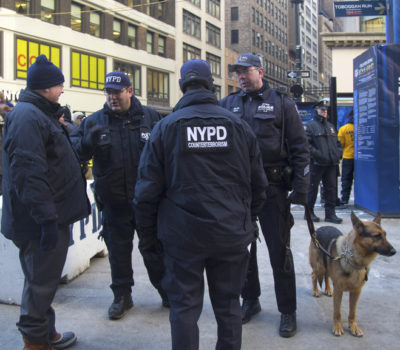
316,293
337,330
328,292
354,330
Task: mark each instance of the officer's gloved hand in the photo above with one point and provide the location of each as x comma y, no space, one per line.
93,135
49,238
148,241
255,227
296,197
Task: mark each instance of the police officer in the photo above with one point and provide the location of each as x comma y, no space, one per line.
115,136
283,145
200,181
326,152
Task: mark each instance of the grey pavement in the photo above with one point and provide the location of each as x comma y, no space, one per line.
81,306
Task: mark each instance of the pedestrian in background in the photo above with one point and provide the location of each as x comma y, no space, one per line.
326,153
346,138
200,182
114,137
44,191
283,144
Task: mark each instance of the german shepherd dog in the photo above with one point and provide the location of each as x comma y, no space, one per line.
352,255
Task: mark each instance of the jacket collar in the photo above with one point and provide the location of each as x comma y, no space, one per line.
196,97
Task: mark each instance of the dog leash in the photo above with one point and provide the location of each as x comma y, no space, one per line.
313,234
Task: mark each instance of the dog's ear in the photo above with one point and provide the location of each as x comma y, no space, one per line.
357,223
378,218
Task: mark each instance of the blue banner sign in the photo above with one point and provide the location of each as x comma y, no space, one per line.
360,8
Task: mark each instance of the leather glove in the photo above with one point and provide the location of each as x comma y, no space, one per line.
49,238
298,198
93,135
255,227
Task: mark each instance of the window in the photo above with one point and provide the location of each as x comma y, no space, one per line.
161,45
234,36
23,7
94,24
76,17
195,2
47,10
132,36
158,85
191,24
190,52
213,8
117,30
149,42
28,50
213,35
217,91
215,64
87,71
234,13
134,74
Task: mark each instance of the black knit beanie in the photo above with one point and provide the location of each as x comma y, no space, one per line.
43,74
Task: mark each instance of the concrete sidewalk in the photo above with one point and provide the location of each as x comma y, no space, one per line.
82,304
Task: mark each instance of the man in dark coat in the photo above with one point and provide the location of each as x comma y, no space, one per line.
200,183
326,152
283,144
44,191
114,136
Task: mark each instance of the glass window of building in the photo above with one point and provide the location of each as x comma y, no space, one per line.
27,50
234,13
158,85
213,8
190,52
161,45
47,10
76,17
215,64
23,7
195,2
234,36
117,24
213,35
191,24
217,91
94,24
134,74
149,42
132,30
87,71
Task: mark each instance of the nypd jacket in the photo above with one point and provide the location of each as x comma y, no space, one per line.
325,147
200,177
115,165
42,178
268,114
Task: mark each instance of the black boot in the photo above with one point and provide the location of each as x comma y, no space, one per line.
330,216
288,326
250,307
120,306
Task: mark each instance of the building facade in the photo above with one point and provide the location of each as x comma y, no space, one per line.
86,40
261,27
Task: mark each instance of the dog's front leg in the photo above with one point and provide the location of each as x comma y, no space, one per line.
353,301
328,289
337,318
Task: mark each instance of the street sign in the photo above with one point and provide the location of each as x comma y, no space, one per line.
298,74
360,8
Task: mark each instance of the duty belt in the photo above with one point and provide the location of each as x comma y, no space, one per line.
274,174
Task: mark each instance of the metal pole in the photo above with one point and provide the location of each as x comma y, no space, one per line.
298,47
